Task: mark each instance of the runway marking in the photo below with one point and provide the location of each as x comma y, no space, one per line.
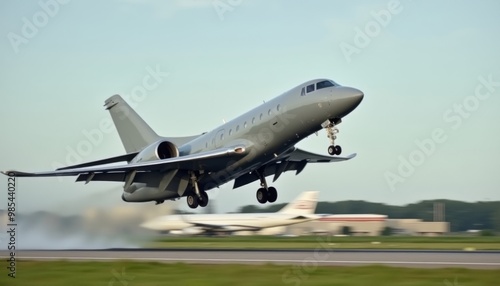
291,261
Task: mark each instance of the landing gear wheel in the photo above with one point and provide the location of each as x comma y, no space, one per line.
192,201
262,195
334,150
204,199
331,150
272,194
338,150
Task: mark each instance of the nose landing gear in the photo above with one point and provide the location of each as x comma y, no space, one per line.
331,133
334,150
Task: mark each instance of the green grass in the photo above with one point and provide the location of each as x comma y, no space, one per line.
312,242
124,273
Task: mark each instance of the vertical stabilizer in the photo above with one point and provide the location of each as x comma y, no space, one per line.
304,204
134,132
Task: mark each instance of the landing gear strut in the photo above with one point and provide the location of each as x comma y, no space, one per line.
200,197
331,133
265,193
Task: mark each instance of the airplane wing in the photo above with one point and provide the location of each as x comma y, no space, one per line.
127,157
299,155
293,161
198,161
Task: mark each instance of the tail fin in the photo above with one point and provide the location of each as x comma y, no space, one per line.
304,204
134,132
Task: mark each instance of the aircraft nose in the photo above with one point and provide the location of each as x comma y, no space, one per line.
356,95
348,99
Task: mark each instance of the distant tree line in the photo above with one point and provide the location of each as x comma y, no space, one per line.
461,215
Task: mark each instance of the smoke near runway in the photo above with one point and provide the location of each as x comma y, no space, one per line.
91,228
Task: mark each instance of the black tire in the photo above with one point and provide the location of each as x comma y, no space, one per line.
272,194
338,150
331,150
261,195
192,201
204,199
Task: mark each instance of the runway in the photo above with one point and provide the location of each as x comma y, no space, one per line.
418,259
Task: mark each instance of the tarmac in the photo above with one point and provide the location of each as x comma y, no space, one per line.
399,258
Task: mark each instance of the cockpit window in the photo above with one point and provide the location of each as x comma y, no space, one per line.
310,88
323,84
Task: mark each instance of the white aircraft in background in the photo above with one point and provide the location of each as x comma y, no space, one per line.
300,210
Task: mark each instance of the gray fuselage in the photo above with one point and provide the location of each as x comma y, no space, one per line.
267,131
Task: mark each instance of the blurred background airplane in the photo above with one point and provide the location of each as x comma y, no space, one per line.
298,211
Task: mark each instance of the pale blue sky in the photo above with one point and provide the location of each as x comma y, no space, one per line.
427,58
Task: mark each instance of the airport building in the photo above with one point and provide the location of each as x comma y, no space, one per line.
368,225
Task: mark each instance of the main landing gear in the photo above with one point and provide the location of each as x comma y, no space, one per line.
199,198
265,193
331,133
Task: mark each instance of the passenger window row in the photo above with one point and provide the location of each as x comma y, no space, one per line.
245,125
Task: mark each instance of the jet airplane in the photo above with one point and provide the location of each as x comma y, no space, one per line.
256,144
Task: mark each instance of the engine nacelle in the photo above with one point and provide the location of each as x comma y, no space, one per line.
157,151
